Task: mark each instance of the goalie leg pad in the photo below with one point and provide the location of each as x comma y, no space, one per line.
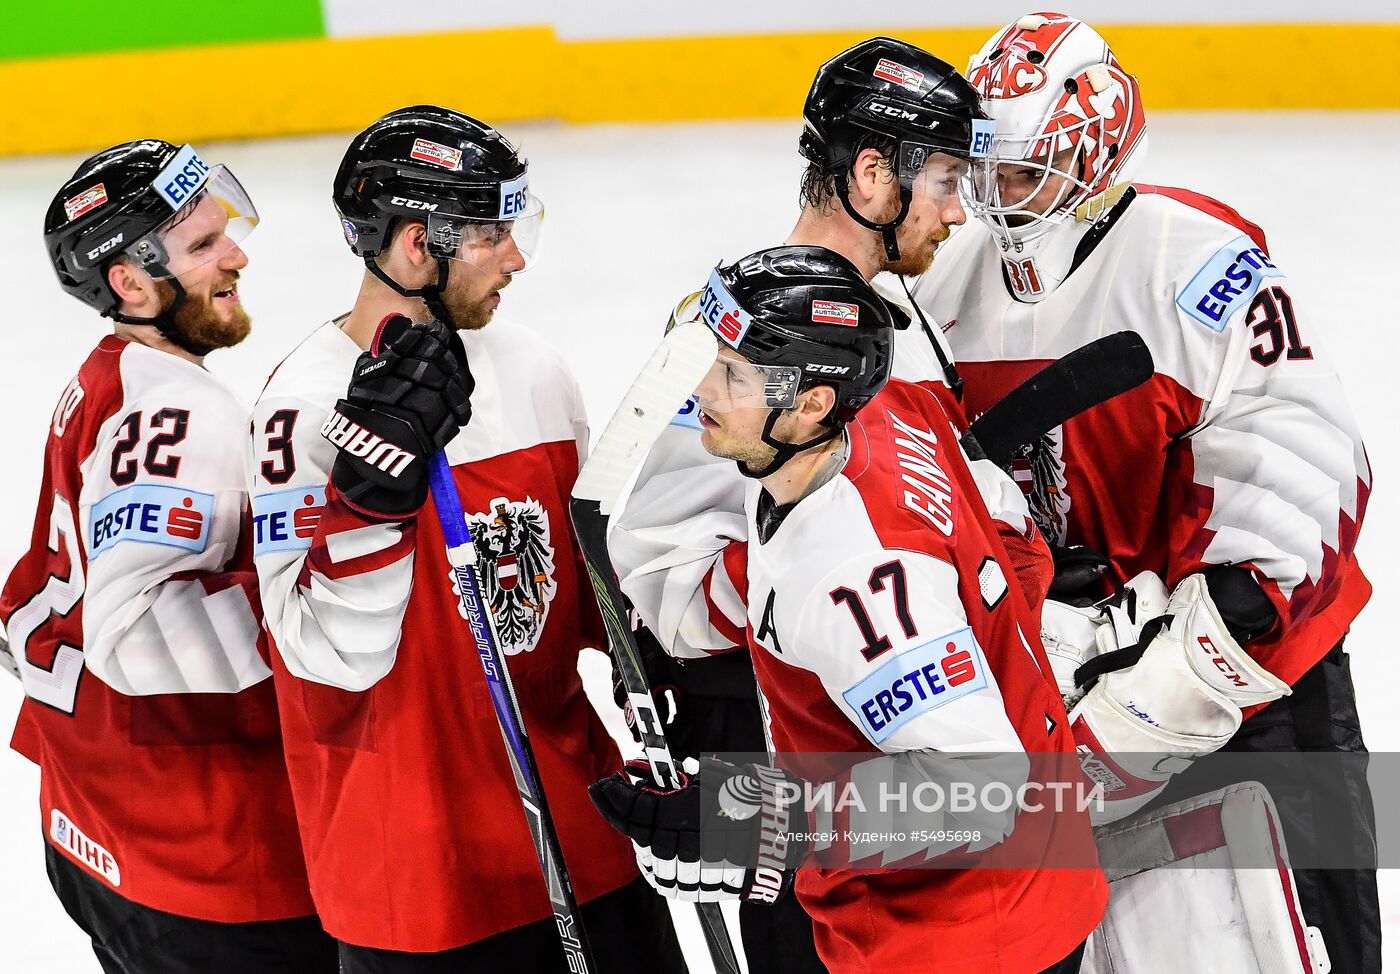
1203,885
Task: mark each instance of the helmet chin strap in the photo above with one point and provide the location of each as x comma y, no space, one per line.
885,230
430,293
785,451
165,323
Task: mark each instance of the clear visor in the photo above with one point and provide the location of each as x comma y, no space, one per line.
507,245
217,218
1028,185
930,172
733,382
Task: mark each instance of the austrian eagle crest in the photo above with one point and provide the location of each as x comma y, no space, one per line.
1041,473
516,565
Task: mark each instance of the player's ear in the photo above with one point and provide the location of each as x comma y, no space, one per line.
413,239
870,170
814,405
132,286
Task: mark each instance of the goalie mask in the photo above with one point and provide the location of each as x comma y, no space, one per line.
1070,134
789,319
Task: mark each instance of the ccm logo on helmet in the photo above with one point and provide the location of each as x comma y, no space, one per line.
892,111
105,246
827,369
413,204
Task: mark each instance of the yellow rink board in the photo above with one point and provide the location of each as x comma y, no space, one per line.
277,88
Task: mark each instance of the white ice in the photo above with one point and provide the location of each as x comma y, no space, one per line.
636,217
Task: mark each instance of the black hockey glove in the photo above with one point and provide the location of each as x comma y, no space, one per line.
408,397
664,678
1080,576
727,833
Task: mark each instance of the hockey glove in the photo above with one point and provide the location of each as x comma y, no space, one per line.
1081,575
409,395
727,833
663,675
1177,694
1073,635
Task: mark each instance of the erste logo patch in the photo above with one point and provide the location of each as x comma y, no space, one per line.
182,178
150,514
688,415
514,194
1226,283
721,312
917,681
285,520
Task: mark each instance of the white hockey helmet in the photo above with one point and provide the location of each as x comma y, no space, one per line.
1070,128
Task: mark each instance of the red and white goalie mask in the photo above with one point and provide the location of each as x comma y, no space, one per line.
1070,132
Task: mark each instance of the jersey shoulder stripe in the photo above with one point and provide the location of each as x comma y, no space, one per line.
1210,207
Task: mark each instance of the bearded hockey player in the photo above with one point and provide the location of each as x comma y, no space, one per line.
133,617
870,557
419,852
888,130
1235,479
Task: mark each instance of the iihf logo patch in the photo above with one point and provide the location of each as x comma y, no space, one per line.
516,562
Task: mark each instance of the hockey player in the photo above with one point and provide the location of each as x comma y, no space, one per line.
870,558
887,131
133,618
1236,477
419,852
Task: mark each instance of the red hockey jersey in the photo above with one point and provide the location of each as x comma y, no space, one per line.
883,615
1240,450
414,835
134,622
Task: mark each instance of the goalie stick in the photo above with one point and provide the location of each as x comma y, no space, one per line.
461,555
1089,375
666,381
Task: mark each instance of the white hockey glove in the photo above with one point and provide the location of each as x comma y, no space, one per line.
1183,697
1073,635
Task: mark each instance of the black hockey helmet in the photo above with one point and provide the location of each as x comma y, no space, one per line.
456,175
123,202
806,317
890,88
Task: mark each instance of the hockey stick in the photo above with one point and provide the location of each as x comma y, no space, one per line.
1086,377
461,555
666,381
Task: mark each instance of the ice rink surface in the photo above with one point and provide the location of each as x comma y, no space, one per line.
635,218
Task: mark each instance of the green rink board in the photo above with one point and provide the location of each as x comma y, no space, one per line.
89,26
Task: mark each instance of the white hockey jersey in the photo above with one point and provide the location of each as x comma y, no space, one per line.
1241,449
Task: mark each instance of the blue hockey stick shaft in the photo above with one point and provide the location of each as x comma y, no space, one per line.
461,555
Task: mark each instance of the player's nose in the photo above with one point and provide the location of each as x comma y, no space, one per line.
512,259
235,259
